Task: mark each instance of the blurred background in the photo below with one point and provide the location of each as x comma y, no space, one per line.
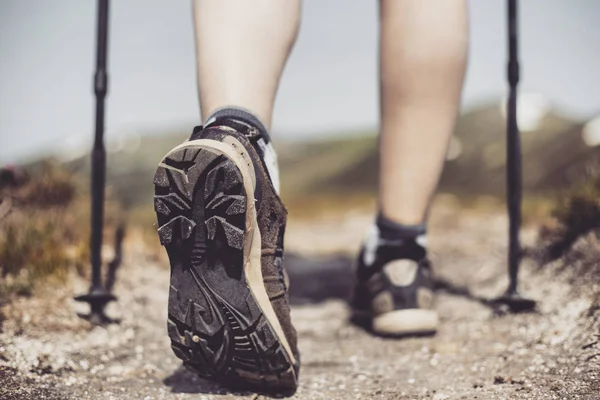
46,112
47,57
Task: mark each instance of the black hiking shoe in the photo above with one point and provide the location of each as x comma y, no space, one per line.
393,295
222,224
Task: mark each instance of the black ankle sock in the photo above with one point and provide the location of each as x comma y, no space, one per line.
240,115
391,230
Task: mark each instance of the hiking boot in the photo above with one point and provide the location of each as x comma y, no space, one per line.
222,223
393,295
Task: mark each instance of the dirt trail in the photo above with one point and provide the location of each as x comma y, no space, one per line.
47,352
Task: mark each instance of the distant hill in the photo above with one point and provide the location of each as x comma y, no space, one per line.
130,171
554,157
480,168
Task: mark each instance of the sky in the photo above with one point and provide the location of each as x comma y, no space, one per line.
330,83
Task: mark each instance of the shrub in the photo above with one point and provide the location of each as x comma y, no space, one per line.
577,213
41,234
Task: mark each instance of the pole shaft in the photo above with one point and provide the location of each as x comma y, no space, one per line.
98,152
513,150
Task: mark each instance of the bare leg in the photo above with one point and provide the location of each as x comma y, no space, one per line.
423,59
242,47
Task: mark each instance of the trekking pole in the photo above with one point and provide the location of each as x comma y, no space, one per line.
511,297
98,296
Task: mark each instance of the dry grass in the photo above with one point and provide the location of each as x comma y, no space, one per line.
576,214
42,234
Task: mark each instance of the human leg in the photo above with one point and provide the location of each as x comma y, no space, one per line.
423,48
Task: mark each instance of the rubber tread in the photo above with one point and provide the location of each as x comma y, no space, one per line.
215,325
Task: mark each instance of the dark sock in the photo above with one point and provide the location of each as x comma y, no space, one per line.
239,115
391,230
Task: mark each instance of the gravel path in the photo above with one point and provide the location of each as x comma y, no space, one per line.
46,352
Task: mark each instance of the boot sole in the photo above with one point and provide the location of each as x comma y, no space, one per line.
221,322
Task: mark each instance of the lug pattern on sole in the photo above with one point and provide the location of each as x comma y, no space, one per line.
215,325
